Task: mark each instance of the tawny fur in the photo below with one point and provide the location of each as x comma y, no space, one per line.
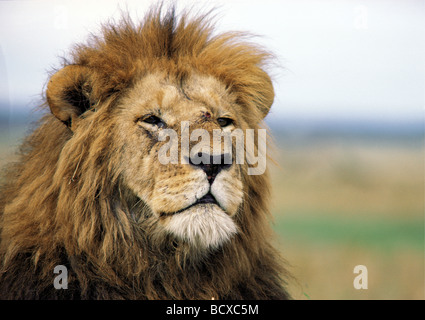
66,200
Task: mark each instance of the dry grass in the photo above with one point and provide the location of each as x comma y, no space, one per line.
326,272
354,179
338,205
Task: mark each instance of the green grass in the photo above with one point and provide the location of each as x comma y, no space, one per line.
373,233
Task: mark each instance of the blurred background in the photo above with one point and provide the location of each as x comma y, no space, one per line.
347,124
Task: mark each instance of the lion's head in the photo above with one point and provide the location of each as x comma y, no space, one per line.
181,88
93,179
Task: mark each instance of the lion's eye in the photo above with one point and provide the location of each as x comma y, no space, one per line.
224,122
153,120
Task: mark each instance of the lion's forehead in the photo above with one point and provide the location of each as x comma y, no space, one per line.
177,100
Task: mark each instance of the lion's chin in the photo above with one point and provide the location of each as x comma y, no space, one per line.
205,226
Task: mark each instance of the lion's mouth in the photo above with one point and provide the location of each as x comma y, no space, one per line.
207,199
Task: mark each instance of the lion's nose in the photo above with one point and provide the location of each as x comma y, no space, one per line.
211,164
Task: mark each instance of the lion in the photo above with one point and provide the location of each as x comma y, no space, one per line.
89,194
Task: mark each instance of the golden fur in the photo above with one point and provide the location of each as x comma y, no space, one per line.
89,193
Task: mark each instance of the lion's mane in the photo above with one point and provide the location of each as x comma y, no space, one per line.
62,203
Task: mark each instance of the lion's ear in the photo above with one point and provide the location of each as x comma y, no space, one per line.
69,92
266,96
255,89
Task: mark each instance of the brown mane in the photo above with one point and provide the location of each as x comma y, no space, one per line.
63,202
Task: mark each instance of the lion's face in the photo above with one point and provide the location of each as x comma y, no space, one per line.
194,202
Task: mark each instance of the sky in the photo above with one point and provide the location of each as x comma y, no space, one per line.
336,59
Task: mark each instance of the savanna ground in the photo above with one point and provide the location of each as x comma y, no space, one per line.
339,202
344,201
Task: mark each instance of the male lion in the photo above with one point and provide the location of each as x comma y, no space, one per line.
90,195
